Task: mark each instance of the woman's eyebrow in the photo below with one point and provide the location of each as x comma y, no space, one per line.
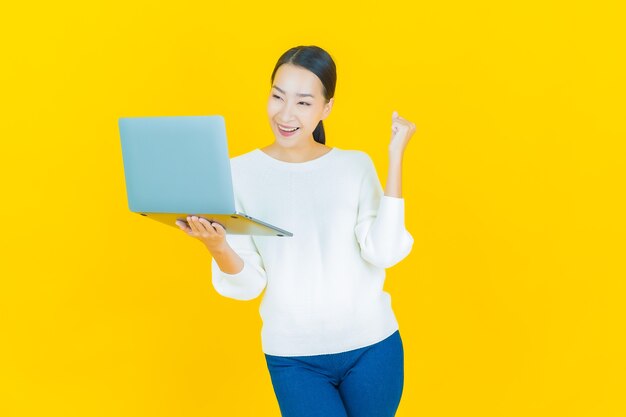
298,94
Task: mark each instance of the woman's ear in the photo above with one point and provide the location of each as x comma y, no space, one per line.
327,108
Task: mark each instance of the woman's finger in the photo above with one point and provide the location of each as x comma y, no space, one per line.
205,225
396,117
398,123
192,224
183,225
219,229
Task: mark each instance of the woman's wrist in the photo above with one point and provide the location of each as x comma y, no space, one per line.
218,250
395,157
393,187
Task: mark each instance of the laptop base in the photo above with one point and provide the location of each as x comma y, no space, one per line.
234,224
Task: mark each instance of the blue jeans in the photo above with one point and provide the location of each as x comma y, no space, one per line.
365,382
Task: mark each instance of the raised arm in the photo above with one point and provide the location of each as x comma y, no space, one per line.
380,228
401,132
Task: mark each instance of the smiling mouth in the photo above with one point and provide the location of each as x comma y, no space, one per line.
288,130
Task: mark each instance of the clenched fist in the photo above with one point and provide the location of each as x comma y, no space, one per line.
401,132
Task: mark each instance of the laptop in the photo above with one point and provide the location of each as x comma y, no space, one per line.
177,166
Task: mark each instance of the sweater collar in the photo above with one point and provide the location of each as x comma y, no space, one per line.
296,166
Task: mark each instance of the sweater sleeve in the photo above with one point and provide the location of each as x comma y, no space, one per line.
247,283
252,279
380,228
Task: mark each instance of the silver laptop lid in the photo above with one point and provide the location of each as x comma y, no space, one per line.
177,164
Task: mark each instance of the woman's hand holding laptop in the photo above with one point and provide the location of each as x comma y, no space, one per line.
213,235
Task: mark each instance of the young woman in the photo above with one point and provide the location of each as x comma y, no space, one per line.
329,334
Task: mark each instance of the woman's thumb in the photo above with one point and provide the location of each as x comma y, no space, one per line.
394,114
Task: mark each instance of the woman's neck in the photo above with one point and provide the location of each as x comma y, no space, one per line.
299,154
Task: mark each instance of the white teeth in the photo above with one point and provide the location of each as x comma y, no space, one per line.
288,130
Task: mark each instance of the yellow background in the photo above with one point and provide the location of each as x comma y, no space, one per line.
512,300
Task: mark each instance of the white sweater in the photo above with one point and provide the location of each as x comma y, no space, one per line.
323,286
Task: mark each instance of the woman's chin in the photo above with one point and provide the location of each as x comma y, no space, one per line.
288,141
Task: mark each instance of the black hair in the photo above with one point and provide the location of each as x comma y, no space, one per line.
320,63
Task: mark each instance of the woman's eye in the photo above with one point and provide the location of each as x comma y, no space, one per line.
302,102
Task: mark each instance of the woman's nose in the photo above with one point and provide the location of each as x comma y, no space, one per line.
285,113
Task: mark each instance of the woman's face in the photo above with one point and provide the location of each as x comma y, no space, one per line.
296,101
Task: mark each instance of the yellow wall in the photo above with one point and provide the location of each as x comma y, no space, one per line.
512,301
